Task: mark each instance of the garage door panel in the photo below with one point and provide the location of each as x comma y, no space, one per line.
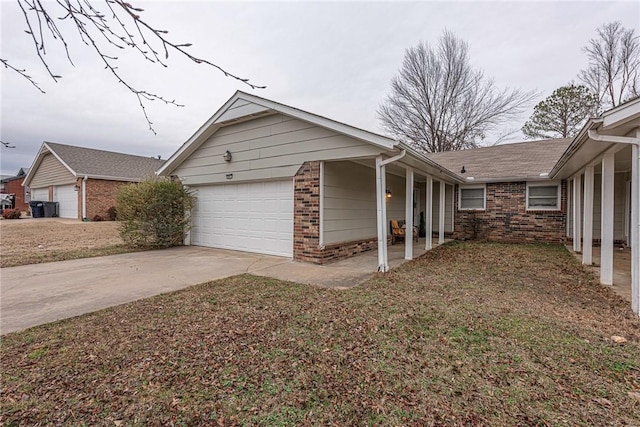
40,194
67,198
253,217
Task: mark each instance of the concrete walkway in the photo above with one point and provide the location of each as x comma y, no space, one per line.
35,294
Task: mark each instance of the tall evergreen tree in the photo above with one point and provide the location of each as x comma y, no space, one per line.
562,114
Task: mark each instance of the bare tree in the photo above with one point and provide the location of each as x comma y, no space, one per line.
562,114
438,102
614,64
118,25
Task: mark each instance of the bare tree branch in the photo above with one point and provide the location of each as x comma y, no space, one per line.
439,103
22,72
7,145
122,27
614,64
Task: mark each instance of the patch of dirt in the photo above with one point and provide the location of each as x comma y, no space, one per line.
29,241
468,334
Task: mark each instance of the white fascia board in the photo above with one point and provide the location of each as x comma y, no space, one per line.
44,149
578,141
361,134
621,114
195,140
412,153
205,130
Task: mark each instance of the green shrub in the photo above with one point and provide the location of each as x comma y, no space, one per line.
11,214
154,213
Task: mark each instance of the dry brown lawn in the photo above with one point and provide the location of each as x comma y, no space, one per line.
470,334
33,241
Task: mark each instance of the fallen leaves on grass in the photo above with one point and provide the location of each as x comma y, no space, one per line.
34,241
469,334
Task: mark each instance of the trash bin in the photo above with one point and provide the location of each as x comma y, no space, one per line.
37,209
50,209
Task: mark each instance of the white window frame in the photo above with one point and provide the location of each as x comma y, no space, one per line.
472,187
556,184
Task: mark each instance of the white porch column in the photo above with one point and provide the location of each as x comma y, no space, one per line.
408,215
441,214
428,213
587,224
577,217
635,227
381,204
606,219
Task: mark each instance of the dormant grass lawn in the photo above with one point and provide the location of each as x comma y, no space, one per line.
33,241
470,334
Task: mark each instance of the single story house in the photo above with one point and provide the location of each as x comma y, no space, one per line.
274,179
12,187
84,181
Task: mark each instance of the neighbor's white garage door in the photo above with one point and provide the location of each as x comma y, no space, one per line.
67,198
251,217
39,194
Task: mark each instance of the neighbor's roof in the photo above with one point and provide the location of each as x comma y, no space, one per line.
507,162
100,164
20,175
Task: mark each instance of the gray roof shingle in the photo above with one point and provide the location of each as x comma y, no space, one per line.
100,163
523,160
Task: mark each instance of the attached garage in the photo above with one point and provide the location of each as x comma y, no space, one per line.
84,181
67,198
257,168
250,217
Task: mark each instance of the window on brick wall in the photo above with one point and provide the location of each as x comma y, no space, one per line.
543,196
472,197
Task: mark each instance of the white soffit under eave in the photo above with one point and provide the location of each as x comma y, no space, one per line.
242,104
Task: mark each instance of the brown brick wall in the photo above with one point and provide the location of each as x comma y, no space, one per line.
15,187
306,222
101,195
506,217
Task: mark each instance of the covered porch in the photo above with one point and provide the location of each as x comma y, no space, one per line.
603,169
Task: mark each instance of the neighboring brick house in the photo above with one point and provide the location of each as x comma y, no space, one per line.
12,186
84,181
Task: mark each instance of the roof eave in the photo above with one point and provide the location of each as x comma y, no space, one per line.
211,126
424,159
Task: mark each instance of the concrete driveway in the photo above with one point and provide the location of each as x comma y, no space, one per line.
35,294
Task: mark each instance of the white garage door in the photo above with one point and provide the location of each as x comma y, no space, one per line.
251,217
39,194
67,198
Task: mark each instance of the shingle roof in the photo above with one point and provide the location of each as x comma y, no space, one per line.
100,163
523,160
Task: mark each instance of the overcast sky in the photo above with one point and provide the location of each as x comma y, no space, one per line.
331,58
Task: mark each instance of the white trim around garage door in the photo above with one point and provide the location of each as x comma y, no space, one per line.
251,217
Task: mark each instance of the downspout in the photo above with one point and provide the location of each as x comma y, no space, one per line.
84,198
635,208
381,201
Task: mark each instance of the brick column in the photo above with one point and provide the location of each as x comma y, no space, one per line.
306,213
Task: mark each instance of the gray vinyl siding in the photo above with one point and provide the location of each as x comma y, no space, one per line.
270,147
619,188
349,202
448,208
396,204
51,172
620,184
